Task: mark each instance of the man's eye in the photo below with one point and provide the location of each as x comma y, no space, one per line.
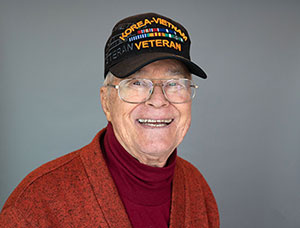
172,84
175,84
136,83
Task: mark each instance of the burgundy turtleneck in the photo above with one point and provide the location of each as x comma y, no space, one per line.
144,190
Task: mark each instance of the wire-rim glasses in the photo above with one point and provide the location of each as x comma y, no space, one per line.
139,90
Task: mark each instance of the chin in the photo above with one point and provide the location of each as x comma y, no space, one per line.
157,150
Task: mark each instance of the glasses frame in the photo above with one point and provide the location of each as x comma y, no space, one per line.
161,84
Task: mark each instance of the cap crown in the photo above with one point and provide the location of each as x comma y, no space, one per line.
144,38
144,33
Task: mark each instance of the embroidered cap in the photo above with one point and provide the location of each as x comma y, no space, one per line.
145,38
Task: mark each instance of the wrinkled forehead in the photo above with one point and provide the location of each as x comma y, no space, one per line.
167,67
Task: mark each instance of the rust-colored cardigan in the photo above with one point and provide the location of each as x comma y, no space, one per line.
77,190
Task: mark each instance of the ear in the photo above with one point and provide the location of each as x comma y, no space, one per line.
105,102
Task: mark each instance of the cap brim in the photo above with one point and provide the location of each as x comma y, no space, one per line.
132,64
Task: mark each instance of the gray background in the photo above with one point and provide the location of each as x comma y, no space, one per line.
245,134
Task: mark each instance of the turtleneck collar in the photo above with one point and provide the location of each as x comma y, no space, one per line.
141,184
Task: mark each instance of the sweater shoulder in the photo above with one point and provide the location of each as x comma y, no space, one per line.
192,176
41,176
188,168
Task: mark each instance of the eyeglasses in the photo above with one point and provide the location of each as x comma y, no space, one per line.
135,91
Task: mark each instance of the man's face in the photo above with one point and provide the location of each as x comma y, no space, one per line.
151,145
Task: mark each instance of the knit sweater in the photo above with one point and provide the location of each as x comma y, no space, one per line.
77,190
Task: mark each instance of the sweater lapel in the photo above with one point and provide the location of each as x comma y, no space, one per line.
104,188
178,199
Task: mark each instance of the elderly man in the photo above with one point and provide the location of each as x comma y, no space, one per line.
130,174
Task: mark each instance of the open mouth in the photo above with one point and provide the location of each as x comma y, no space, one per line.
155,123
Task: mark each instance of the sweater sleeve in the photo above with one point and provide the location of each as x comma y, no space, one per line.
10,217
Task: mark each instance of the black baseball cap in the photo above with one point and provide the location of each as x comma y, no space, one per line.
145,38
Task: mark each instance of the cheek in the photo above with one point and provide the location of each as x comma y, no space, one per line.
185,119
185,112
121,116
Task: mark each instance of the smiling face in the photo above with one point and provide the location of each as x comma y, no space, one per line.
149,131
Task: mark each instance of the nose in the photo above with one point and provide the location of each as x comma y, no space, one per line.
157,98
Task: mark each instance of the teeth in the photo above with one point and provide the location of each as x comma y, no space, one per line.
151,121
155,123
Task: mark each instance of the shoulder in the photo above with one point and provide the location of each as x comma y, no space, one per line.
193,180
189,170
41,187
56,189
44,175
51,177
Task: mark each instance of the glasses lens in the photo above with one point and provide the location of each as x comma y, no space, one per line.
135,90
179,90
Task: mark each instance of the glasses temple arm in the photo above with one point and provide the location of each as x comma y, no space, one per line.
114,86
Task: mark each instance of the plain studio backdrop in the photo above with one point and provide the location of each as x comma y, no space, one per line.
245,133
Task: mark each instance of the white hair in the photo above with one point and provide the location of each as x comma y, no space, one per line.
109,79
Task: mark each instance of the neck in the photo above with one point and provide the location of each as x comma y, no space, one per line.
151,160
